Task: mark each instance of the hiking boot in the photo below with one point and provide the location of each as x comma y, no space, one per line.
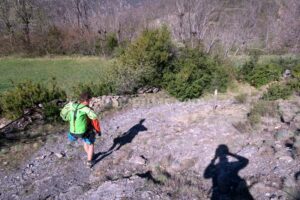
89,163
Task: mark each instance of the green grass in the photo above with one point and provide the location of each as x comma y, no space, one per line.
68,71
238,61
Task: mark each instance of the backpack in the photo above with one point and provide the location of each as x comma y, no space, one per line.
77,117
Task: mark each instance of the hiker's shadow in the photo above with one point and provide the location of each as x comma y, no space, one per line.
226,183
122,140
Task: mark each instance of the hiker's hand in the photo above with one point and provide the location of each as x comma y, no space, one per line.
99,134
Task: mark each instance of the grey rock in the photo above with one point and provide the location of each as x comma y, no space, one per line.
155,90
60,155
296,121
287,74
283,134
103,103
288,110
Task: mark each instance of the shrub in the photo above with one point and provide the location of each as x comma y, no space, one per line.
287,62
277,91
294,85
241,98
51,112
260,74
27,95
106,46
262,108
296,71
95,89
111,43
193,73
151,53
126,79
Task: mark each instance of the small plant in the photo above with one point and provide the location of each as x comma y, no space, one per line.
277,91
262,108
111,43
241,98
51,112
294,85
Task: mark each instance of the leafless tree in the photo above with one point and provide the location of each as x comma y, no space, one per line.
81,11
24,11
6,18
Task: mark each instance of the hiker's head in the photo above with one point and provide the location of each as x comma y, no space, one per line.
222,152
85,98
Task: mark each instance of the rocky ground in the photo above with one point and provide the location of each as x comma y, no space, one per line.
166,151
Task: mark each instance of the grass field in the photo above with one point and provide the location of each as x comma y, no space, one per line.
68,71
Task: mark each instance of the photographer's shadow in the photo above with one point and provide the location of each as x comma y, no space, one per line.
226,183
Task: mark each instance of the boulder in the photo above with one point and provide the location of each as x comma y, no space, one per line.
4,122
283,134
103,103
296,121
288,111
148,89
287,74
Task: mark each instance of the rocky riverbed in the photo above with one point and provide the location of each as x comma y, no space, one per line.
169,150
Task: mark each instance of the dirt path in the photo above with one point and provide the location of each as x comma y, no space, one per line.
162,152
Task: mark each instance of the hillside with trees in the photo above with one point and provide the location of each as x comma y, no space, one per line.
225,27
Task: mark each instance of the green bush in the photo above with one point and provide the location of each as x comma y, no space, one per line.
287,62
51,112
151,53
106,46
193,73
277,91
111,43
27,95
294,85
296,71
127,80
95,89
258,75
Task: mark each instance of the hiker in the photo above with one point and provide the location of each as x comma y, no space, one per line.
83,124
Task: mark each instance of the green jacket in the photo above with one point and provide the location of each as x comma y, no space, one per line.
79,121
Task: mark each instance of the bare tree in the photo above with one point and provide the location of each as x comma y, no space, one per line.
24,11
81,11
5,17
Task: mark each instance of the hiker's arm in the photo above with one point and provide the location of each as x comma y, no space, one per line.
94,120
242,161
96,125
65,112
